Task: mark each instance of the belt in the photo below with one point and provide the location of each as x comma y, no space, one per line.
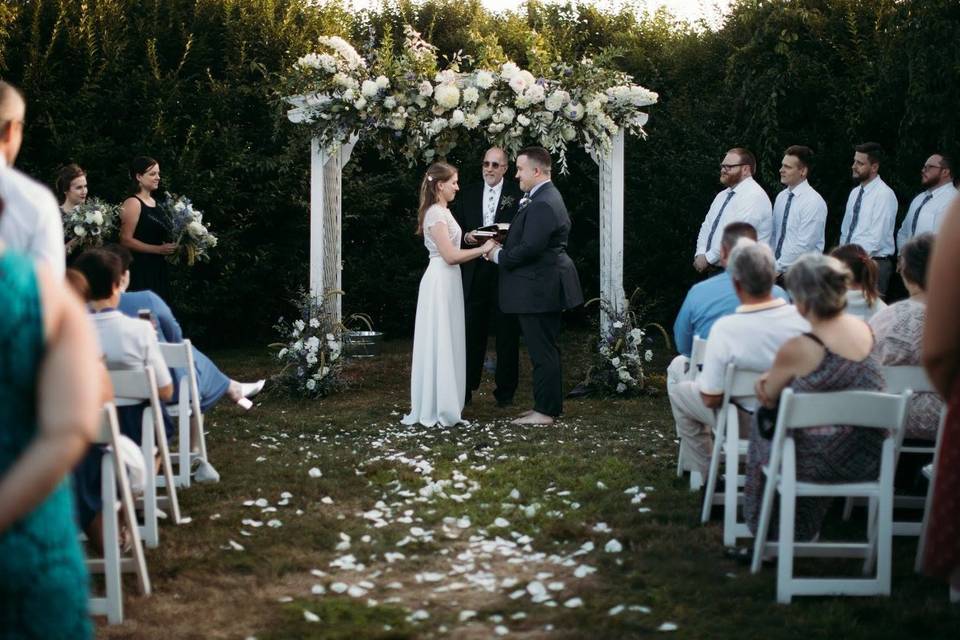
882,257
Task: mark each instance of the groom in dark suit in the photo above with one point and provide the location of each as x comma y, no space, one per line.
495,199
538,280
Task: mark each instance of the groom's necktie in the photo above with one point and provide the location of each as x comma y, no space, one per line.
783,226
856,215
916,215
716,220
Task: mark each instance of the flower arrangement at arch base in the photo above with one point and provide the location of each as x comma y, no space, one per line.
312,349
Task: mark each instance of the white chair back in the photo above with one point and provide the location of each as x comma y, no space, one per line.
186,410
697,353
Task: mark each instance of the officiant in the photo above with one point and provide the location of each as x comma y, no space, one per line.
494,200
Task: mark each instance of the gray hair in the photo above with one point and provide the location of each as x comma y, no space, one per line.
752,265
819,283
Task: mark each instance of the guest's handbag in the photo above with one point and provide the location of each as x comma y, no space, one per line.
766,421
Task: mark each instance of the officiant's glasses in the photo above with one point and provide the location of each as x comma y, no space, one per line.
491,164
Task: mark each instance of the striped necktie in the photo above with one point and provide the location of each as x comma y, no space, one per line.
716,221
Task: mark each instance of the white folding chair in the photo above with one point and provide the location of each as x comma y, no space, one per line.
186,411
928,501
864,409
113,563
697,351
132,387
738,386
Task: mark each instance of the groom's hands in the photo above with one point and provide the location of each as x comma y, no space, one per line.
490,249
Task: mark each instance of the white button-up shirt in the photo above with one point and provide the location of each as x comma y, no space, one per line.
805,224
491,194
31,221
878,215
130,343
931,215
750,203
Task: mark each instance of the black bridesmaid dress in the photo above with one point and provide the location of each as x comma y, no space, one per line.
149,271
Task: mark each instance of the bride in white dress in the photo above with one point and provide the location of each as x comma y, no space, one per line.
438,373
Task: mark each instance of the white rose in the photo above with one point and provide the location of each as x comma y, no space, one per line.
426,89
79,231
506,115
456,118
618,325
311,358
196,229
593,107
484,79
621,387
569,133
518,84
573,111
389,102
369,88
447,96
495,128
484,112
521,102
97,218
297,346
299,325
179,206
313,343
557,100
507,71
314,323
311,384
534,93
360,104
615,362
382,82
523,120
625,375
470,95
648,355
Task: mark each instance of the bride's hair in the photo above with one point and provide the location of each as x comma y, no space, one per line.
436,173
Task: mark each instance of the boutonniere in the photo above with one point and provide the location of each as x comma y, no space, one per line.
506,202
524,201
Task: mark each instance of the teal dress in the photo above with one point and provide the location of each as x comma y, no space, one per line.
43,578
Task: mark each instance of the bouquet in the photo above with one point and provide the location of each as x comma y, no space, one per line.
311,350
91,223
192,237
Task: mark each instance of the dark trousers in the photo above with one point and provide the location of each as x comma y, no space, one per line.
885,268
482,309
541,332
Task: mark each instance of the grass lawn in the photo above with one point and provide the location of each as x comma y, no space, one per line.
471,532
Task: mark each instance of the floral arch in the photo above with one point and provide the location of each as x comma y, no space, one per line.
411,109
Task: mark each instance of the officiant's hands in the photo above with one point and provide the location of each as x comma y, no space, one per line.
469,238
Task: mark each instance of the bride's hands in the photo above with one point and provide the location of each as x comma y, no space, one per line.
488,246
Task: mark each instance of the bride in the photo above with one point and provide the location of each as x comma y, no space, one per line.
438,373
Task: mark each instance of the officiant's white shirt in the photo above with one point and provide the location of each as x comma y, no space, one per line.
491,197
749,203
31,220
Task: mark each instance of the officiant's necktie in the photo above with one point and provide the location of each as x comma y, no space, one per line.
783,225
856,215
916,215
490,207
716,220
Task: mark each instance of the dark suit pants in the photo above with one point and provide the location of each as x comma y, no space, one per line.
541,332
481,308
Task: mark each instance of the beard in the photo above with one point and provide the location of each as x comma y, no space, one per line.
929,183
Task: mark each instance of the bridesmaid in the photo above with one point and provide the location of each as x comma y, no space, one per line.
145,230
72,190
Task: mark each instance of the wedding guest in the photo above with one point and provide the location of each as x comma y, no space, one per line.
49,409
749,338
925,214
492,200
145,230
898,331
863,297
538,280
71,186
743,200
799,212
31,223
871,212
941,358
213,384
837,354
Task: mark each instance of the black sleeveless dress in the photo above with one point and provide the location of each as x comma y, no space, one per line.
150,270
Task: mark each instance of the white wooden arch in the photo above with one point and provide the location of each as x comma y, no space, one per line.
326,260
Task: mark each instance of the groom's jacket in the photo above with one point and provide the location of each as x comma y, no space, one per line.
536,274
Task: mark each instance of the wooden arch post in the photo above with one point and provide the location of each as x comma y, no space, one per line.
610,163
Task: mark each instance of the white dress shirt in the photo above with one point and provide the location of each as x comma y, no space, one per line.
130,343
491,198
31,220
749,203
805,224
878,215
931,213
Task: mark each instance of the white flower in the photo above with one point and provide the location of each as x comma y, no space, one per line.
96,218
505,115
484,79
621,387
557,100
314,323
329,336
635,335
328,62
523,120
389,102
484,112
311,384
179,206
309,61
447,95
360,104
79,231
471,121
573,111
470,95
534,93
426,89
568,132
313,343
521,102
282,353
299,325
648,355
324,371
594,107
348,95
615,362
625,375
311,358
343,48
343,80
507,71
382,82
297,346
618,325
456,118
369,88
518,84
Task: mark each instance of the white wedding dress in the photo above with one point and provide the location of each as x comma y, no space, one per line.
438,374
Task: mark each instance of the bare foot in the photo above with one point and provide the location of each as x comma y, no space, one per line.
534,417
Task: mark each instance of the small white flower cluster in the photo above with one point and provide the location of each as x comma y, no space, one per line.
424,110
312,351
619,365
92,223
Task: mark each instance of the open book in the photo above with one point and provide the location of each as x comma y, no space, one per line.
498,231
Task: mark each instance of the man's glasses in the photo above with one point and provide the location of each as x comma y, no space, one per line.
931,167
730,167
491,164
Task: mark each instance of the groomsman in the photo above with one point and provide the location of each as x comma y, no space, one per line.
871,211
743,200
495,199
538,280
926,211
799,212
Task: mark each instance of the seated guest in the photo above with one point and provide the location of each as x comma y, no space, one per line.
898,330
836,355
126,343
863,297
212,383
749,338
712,298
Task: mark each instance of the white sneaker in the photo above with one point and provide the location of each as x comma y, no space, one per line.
205,473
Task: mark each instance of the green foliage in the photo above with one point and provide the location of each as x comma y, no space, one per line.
194,83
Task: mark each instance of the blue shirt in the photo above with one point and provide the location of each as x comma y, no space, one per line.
707,301
168,329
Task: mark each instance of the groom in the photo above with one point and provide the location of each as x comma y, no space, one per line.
493,200
538,280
